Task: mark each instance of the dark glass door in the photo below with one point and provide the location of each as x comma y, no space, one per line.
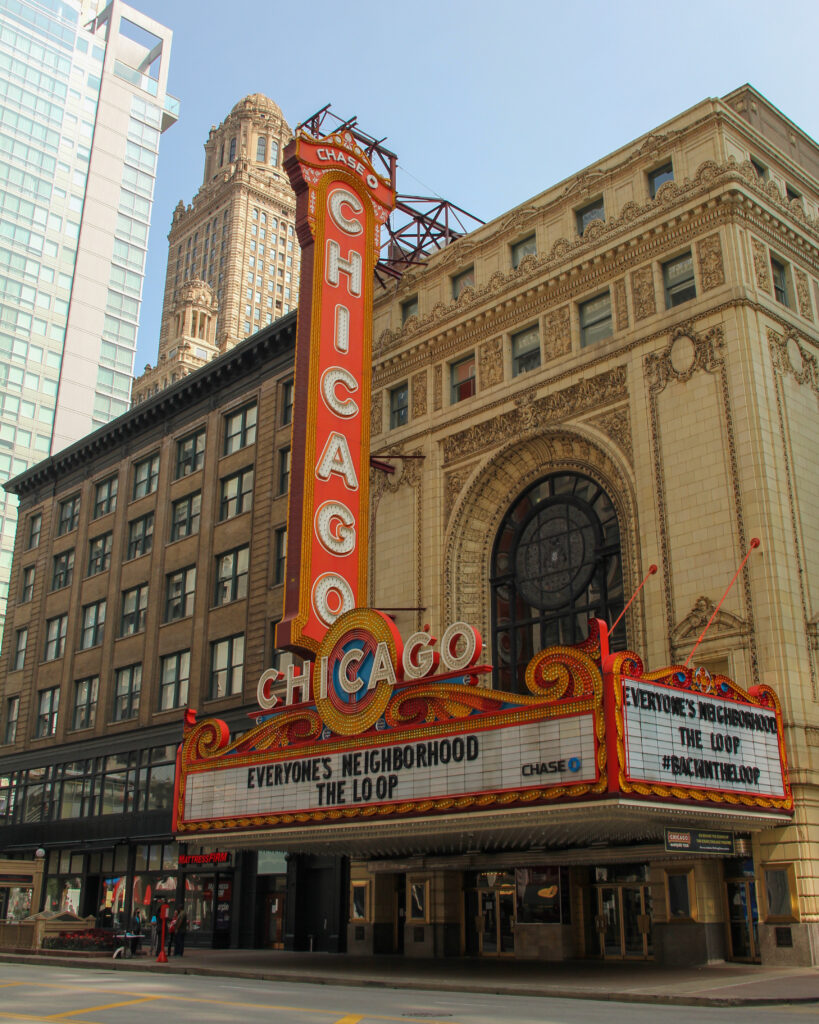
743,918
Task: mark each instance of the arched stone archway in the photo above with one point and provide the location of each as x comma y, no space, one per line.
483,502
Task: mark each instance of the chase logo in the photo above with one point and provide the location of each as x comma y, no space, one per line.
550,767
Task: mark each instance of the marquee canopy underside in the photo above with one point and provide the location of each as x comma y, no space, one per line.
593,825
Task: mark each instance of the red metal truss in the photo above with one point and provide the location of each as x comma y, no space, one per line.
420,225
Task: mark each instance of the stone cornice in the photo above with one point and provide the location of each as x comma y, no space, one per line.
731,177
441,429
276,340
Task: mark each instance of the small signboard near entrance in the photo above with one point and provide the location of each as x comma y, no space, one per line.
696,840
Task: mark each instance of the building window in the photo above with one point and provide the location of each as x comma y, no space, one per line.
140,536
555,564
127,685
595,319
232,150
525,247
760,168
659,177
409,307
791,194
287,402
99,553
235,494
587,214
279,554
227,658
63,572
462,379
69,515
466,279
231,575
180,588
525,350
780,281
55,637
174,674
240,429
93,625
35,525
146,476
86,692
780,893
399,405
284,470
21,640
134,610
27,589
105,496
679,887
678,280
190,454
12,714
185,516
274,156
261,149
47,707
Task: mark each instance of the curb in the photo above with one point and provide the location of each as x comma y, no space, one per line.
430,985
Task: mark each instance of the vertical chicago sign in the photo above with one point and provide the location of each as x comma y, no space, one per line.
341,206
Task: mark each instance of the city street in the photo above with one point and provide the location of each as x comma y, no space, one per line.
47,993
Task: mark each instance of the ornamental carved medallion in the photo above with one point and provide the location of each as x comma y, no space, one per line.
419,395
709,259
762,267
620,304
642,293
557,338
803,293
490,363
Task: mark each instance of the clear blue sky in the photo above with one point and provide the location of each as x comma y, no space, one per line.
485,103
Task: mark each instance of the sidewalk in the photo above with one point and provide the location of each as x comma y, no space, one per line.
720,984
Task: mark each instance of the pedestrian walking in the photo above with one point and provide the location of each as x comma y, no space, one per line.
171,931
179,933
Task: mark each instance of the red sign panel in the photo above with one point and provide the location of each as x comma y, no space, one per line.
341,205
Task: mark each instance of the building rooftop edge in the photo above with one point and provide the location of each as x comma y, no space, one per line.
155,408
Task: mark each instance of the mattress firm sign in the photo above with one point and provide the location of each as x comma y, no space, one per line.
686,738
545,753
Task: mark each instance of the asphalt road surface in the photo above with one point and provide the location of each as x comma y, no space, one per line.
35,993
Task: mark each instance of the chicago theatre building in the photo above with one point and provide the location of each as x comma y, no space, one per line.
608,393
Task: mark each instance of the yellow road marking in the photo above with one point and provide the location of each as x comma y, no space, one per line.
105,1006
28,1016
349,1019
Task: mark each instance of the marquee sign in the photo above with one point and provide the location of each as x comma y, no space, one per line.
380,729
367,738
690,735
341,204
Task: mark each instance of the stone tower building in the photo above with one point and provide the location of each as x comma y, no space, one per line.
236,239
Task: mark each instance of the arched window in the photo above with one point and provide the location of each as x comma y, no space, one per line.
274,152
261,149
556,563
221,154
232,153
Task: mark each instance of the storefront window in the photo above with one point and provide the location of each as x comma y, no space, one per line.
360,901
542,895
199,902
780,892
18,903
112,902
678,891
271,862
621,873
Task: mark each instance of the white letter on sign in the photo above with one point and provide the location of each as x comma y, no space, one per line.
455,662
335,527
337,199
332,583
351,266
330,379
336,458
382,670
419,658
341,337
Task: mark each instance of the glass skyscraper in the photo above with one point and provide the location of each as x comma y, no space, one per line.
83,102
